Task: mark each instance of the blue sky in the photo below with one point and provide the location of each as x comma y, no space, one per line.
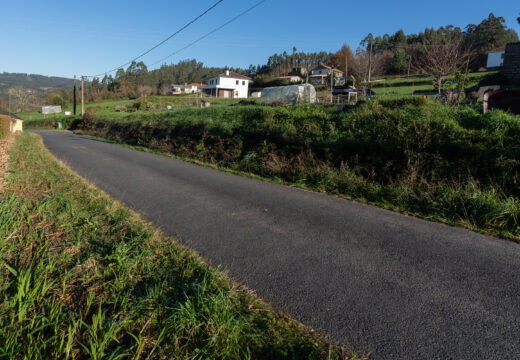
64,38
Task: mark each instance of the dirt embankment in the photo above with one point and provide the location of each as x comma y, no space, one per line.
5,144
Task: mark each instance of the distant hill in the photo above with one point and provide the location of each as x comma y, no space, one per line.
39,84
35,82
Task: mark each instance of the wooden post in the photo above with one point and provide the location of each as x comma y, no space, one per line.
370,61
74,95
82,95
331,83
346,68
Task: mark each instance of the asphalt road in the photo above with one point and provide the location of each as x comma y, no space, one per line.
380,282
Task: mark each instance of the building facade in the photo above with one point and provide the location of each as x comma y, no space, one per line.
228,85
511,67
321,74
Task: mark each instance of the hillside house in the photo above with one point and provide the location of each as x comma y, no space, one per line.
186,88
228,85
321,74
495,58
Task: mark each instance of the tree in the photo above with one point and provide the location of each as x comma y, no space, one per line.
439,60
21,98
341,56
489,34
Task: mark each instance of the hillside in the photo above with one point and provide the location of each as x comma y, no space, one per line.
32,81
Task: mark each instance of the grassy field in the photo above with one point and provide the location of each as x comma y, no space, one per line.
443,163
155,103
83,277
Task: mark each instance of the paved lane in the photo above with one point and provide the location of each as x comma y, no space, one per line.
381,282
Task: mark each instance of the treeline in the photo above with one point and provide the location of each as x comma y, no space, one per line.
284,63
395,53
399,53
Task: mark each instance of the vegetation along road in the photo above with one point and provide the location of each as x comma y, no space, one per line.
389,284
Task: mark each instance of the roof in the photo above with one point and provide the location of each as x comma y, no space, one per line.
289,77
234,75
328,67
503,48
196,84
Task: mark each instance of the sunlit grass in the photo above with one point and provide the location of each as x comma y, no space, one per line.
83,277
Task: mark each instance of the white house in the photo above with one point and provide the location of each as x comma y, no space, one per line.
495,58
228,85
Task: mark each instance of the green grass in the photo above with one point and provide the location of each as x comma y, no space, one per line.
443,163
395,87
83,277
35,119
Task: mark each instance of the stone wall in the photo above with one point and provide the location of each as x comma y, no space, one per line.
511,68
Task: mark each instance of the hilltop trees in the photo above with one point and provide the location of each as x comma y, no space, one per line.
489,34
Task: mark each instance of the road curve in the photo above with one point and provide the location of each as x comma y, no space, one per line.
377,281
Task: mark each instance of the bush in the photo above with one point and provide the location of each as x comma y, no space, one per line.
398,103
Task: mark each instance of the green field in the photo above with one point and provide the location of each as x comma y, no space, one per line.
83,277
155,103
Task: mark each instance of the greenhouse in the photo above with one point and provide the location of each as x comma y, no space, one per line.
291,94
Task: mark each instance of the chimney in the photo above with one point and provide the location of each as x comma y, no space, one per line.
227,72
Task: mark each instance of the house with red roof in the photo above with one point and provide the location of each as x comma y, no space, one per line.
321,74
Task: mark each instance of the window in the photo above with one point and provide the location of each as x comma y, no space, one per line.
237,82
243,82
211,82
236,92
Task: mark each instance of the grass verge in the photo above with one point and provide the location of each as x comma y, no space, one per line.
83,277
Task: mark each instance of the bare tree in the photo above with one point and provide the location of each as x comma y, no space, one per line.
21,98
439,60
144,90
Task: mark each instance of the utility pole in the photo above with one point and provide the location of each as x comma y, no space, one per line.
464,81
74,95
370,61
82,95
331,83
346,68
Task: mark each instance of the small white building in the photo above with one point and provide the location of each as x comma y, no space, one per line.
495,58
228,85
292,78
51,109
186,88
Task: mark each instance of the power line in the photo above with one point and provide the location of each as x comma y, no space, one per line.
162,42
209,33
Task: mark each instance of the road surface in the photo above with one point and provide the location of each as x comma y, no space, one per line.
377,281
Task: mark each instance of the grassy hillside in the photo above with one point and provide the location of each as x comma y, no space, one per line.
83,277
449,164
